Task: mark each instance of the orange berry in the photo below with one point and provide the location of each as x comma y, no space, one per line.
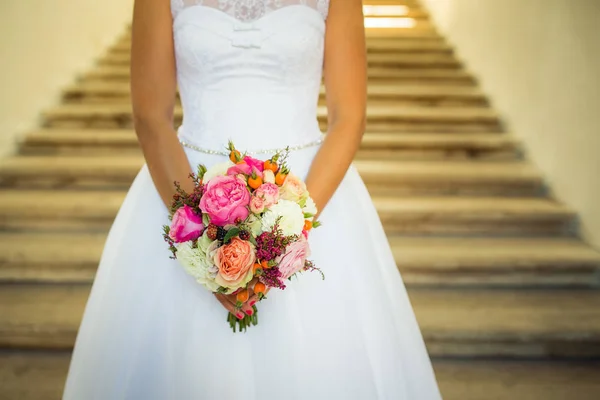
235,156
280,178
243,296
307,225
270,165
260,288
265,265
255,183
256,267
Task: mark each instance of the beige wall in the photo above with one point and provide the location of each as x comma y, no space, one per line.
43,45
539,60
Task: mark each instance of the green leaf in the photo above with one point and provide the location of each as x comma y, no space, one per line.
308,215
316,224
201,171
252,240
233,232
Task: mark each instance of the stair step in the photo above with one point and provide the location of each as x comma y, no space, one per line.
474,216
415,13
440,95
553,262
473,323
90,211
50,258
517,380
457,379
512,323
379,117
397,178
429,146
448,76
408,3
33,375
399,60
435,146
381,176
408,45
496,262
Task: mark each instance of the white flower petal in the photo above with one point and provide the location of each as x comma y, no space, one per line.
217,170
292,218
198,261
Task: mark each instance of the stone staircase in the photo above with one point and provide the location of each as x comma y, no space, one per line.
505,291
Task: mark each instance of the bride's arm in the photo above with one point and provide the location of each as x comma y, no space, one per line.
346,84
153,93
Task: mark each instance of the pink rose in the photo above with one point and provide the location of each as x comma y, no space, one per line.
235,261
257,204
269,192
293,189
241,168
186,225
257,172
294,258
254,163
225,200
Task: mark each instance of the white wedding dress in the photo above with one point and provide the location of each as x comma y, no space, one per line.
250,70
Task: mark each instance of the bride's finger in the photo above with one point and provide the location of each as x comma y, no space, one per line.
225,302
254,297
245,307
252,300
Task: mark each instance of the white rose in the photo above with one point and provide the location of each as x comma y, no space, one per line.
291,218
268,176
217,170
198,261
254,224
310,208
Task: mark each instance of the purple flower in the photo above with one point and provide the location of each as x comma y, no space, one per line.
272,277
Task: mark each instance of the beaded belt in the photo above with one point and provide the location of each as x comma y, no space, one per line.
264,151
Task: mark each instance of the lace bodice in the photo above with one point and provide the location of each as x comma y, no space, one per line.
249,10
249,70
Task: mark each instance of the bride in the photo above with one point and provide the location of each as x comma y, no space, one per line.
250,71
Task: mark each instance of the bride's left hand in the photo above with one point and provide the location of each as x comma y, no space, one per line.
254,296
229,301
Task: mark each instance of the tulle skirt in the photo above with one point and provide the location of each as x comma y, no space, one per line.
151,332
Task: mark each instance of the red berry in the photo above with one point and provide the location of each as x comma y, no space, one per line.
244,235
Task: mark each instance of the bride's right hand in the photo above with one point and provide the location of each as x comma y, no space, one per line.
229,301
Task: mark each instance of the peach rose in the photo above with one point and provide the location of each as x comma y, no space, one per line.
234,261
293,189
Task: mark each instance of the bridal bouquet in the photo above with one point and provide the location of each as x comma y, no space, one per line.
244,227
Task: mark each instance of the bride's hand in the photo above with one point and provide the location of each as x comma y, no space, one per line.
229,301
